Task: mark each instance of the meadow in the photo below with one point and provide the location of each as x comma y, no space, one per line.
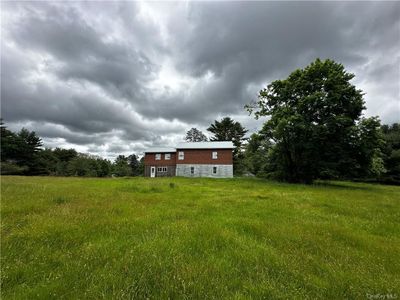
183,238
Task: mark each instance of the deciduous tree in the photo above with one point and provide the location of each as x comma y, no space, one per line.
391,136
121,166
256,154
134,164
315,124
195,135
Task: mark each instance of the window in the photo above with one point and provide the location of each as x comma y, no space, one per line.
191,170
214,170
181,155
162,169
167,156
214,155
158,156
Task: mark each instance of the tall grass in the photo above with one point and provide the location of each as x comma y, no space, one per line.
197,239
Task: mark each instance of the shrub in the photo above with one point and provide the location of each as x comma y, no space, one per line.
12,169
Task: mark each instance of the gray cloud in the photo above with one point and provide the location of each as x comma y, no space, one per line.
119,77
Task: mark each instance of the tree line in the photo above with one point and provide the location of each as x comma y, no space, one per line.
22,154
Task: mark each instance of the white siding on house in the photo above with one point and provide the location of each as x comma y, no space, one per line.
203,170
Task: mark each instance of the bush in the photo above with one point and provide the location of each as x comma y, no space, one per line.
8,168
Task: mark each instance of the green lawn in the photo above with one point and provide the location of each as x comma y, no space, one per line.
197,239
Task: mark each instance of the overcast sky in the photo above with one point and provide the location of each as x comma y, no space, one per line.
114,78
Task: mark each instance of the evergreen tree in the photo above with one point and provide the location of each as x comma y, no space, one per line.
9,144
230,130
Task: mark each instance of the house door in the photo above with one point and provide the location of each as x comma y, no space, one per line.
152,171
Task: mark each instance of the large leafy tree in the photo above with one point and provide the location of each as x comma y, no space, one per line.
195,135
256,153
315,124
230,130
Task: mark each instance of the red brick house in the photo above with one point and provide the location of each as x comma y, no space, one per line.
200,159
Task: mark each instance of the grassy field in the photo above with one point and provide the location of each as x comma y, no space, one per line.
197,239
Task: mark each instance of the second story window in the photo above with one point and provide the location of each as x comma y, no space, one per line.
158,156
167,156
214,155
181,155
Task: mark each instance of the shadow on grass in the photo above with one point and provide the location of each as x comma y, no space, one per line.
343,185
61,200
147,188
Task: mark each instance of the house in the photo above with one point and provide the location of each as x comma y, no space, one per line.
199,159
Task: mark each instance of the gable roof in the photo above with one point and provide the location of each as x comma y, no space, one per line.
206,145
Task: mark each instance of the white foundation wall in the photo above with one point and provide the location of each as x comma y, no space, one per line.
223,171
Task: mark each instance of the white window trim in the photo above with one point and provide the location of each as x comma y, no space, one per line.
158,156
214,155
167,156
181,155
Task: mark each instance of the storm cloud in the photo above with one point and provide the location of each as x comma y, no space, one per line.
116,77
